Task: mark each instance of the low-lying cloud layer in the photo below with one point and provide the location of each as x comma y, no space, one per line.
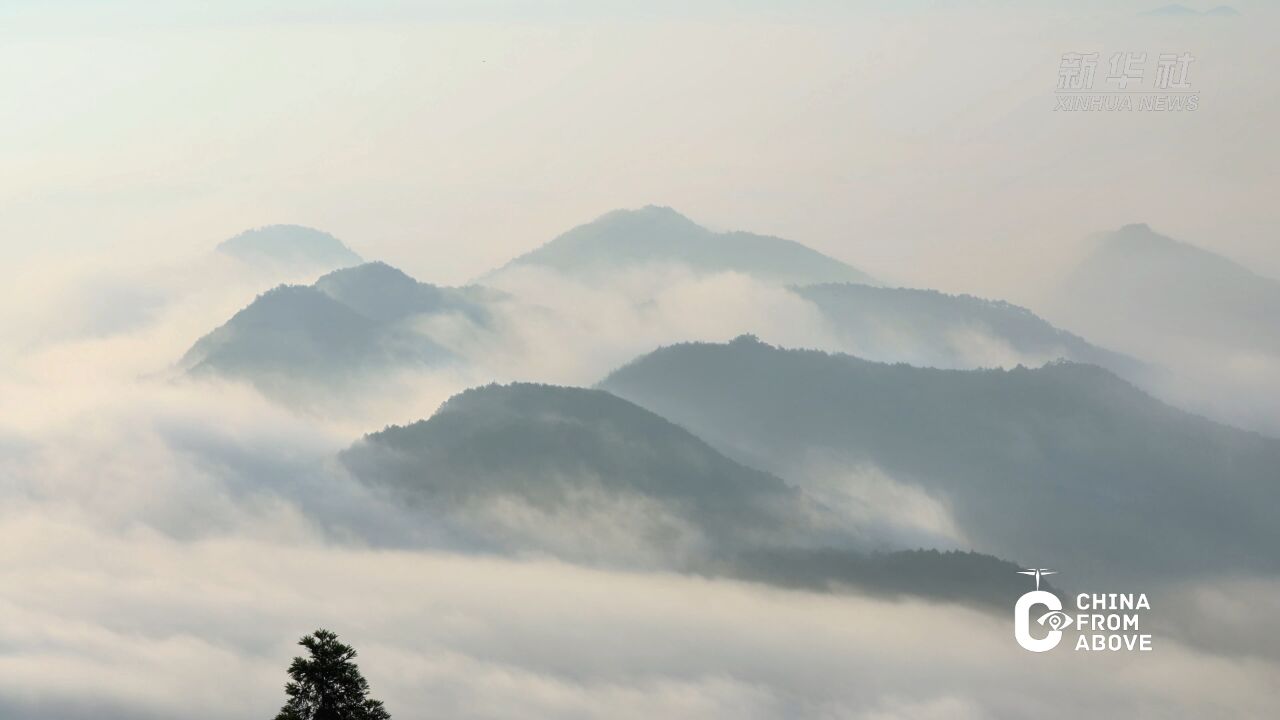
164,541
141,625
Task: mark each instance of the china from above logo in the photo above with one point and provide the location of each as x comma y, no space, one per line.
1105,621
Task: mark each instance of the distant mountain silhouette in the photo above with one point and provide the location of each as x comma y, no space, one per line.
290,247
1144,286
932,329
349,322
1172,11
1208,320
1184,11
552,447
1065,463
625,239
589,477
386,294
295,335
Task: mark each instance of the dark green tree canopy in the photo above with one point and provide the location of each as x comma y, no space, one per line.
328,685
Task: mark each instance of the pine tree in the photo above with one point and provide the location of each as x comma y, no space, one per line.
328,685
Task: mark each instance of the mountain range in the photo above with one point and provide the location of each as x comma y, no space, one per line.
1065,462
928,328
659,237
921,327
822,471
1209,321
586,476
289,248
347,323
1141,288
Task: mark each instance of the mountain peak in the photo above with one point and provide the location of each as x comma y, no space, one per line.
385,293
1140,236
652,211
1136,228
286,298
648,218
658,236
295,327
375,271
294,245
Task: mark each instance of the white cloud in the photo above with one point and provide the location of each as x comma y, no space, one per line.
163,543
164,627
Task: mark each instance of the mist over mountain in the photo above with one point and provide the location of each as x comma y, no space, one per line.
291,329
386,294
350,322
1141,286
948,576
1066,462
1188,309
571,453
933,329
289,248
579,489
659,236
589,477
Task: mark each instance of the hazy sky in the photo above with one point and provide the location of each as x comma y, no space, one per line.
914,139
163,541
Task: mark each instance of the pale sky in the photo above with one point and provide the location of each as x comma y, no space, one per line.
914,140
162,541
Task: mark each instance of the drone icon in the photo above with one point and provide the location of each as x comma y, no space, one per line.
1039,573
